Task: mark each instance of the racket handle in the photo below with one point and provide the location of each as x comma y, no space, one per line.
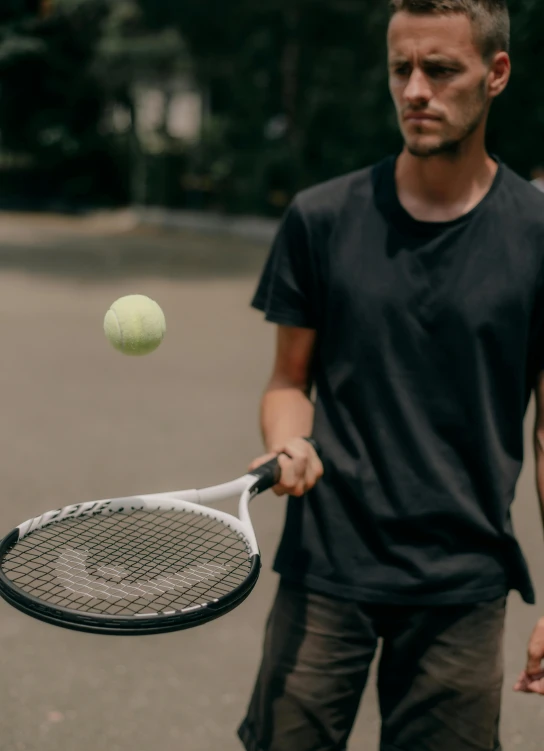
269,473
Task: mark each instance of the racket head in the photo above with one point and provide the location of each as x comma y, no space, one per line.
212,566
130,566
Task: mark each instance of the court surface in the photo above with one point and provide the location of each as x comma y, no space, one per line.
80,421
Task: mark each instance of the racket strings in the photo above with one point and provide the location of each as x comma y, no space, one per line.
130,564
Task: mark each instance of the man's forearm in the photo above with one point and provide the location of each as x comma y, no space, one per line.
286,412
539,468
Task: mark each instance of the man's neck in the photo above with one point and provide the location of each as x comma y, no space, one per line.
442,188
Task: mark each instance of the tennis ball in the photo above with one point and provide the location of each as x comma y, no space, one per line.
135,325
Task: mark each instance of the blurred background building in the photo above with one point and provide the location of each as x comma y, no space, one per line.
205,104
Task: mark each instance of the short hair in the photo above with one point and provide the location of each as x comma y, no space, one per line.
490,19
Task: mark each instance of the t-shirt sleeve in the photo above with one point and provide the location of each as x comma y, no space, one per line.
287,290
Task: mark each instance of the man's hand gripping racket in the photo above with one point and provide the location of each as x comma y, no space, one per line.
138,565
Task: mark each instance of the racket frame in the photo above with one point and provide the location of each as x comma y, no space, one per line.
193,500
247,487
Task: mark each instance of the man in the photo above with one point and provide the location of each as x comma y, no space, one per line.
409,297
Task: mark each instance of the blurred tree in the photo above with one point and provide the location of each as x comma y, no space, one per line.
63,65
13,9
516,131
129,56
51,101
301,85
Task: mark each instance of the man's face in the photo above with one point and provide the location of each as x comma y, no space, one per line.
439,82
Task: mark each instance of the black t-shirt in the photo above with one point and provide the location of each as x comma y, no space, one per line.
429,339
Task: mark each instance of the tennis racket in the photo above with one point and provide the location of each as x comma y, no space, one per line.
143,564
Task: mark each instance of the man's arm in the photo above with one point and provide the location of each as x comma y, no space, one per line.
538,440
287,413
532,679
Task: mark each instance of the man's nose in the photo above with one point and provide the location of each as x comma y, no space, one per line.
417,90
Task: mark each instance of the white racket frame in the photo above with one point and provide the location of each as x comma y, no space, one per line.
193,500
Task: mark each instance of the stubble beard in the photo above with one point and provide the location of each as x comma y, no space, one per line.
451,147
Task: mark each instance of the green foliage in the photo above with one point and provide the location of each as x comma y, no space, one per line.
127,51
62,69
516,130
52,102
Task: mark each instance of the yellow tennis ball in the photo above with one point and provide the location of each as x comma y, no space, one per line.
135,325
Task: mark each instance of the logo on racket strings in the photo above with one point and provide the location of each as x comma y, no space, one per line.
71,571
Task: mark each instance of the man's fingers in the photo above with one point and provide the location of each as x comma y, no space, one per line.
292,470
300,467
535,651
260,460
521,683
533,669
534,663
530,684
536,687
315,468
296,476
530,687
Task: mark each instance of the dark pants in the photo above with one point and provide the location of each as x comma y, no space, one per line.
439,680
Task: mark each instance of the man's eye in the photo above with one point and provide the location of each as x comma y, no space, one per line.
402,70
439,70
